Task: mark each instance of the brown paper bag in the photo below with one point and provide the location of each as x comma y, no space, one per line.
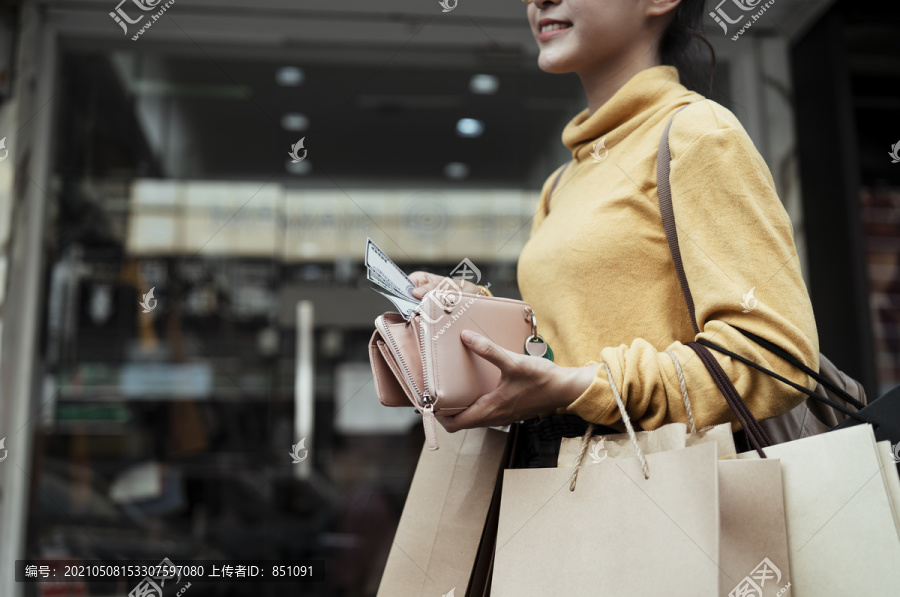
891,479
440,530
618,533
753,552
668,437
753,547
480,585
720,435
842,537
619,445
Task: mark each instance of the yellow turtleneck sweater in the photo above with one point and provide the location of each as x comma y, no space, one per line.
598,272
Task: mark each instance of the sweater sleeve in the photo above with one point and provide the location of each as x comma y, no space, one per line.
735,236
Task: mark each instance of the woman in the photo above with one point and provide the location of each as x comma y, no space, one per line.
597,267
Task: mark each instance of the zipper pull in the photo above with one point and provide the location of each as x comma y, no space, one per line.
428,422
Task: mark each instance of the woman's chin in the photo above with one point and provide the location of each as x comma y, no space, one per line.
554,64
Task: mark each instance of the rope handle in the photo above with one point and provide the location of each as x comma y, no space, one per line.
684,392
586,438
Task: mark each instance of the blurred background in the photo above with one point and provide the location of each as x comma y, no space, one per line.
181,302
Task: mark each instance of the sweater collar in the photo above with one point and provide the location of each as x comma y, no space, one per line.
642,96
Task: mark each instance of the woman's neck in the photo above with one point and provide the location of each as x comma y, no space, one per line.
602,83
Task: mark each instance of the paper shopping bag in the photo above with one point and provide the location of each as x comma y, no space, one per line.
842,536
619,445
668,437
752,528
888,458
618,533
480,584
753,546
436,544
720,435
885,413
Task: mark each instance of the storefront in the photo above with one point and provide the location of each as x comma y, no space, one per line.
186,315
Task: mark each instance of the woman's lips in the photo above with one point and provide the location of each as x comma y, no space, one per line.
551,33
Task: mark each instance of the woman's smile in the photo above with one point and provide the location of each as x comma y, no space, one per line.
550,28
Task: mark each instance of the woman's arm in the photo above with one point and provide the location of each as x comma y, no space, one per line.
734,235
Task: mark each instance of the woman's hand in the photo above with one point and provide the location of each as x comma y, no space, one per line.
425,281
528,387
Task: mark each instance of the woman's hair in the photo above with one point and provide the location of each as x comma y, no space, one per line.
680,46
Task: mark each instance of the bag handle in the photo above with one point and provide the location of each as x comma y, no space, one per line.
553,187
799,365
664,193
586,438
684,392
755,433
838,407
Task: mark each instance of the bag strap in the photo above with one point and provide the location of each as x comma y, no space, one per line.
838,407
755,433
553,187
664,192
799,365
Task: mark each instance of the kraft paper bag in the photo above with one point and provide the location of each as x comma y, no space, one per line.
617,533
480,585
891,480
437,541
619,445
673,436
842,537
753,546
884,412
721,435
753,550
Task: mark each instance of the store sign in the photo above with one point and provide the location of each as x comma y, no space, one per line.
174,380
242,220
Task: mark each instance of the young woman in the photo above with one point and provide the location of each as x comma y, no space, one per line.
597,268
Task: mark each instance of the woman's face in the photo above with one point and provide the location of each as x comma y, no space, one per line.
597,34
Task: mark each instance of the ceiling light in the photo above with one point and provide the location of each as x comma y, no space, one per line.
484,84
290,76
456,170
469,127
294,121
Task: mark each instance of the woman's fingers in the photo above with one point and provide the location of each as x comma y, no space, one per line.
422,278
487,349
426,282
476,415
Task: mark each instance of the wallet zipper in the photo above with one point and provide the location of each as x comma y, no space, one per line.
424,397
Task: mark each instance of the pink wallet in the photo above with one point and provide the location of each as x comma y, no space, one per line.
424,362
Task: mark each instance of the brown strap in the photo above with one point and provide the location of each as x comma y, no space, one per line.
664,192
553,188
755,433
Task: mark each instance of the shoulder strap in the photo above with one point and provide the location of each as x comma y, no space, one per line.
664,192
553,187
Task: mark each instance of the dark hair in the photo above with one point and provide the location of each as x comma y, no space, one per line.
680,46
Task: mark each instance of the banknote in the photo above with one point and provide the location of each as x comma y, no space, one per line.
387,274
404,307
